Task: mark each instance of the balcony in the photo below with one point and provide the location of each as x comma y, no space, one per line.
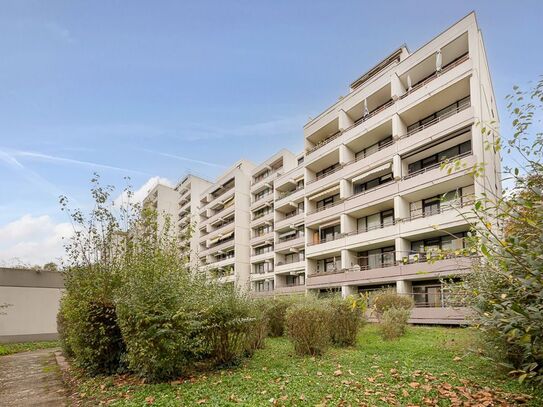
290,289
324,212
258,184
255,258
357,122
262,200
288,267
260,238
450,66
262,218
411,266
224,213
284,198
293,218
371,196
289,242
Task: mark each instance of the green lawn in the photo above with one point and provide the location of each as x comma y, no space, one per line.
429,366
9,348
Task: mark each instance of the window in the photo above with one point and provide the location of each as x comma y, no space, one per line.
263,285
296,280
262,230
300,160
432,160
327,202
447,111
323,173
365,186
328,265
263,249
377,258
374,148
264,267
261,176
375,221
446,242
330,233
300,184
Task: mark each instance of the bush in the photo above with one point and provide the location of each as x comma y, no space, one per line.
259,328
394,322
347,318
227,321
62,329
308,326
91,333
276,310
387,299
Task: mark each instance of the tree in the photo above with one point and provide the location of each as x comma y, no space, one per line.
506,287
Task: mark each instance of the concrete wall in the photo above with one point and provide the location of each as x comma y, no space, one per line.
34,300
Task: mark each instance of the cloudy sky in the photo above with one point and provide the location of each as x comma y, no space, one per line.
153,90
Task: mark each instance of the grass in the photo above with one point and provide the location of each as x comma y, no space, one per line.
10,348
428,366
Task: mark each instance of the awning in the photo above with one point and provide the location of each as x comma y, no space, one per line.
214,240
289,233
372,172
325,192
226,235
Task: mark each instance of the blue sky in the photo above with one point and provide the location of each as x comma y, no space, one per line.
161,88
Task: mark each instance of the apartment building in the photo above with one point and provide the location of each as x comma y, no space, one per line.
189,189
290,265
377,202
262,218
224,226
163,199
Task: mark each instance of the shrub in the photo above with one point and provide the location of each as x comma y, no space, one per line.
387,299
227,324
308,326
89,321
347,318
276,310
259,328
394,322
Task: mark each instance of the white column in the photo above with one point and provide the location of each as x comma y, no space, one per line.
345,188
401,208
347,290
348,223
345,154
404,287
403,247
396,87
348,259
399,128
344,120
397,167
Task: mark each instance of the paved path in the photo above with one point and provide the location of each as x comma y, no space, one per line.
31,379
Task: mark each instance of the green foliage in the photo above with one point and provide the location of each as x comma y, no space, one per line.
393,322
276,309
11,348
347,318
507,285
386,299
259,328
307,325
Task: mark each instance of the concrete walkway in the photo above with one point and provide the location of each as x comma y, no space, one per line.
31,379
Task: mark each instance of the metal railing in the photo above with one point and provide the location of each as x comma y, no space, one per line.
289,193
327,206
289,238
326,174
365,229
366,155
272,174
358,194
436,74
459,202
436,165
461,107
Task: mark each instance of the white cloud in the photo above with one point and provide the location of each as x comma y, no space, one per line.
32,240
141,192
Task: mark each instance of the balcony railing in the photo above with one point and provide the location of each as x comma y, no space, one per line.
374,112
289,193
436,165
326,174
336,236
460,202
358,194
292,214
261,197
327,206
368,154
461,107
289,238
293,261
372,227
436,74
261,215
272,174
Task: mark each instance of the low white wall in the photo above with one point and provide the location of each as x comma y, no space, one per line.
34,300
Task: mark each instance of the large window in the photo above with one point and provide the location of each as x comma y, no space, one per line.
261,176
263,249
377,258
435,159
262,230
387,141
447,111
264,267
375,221
446,242
330,233
328,170
296,280
263,285
329,265
327,202
372,183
